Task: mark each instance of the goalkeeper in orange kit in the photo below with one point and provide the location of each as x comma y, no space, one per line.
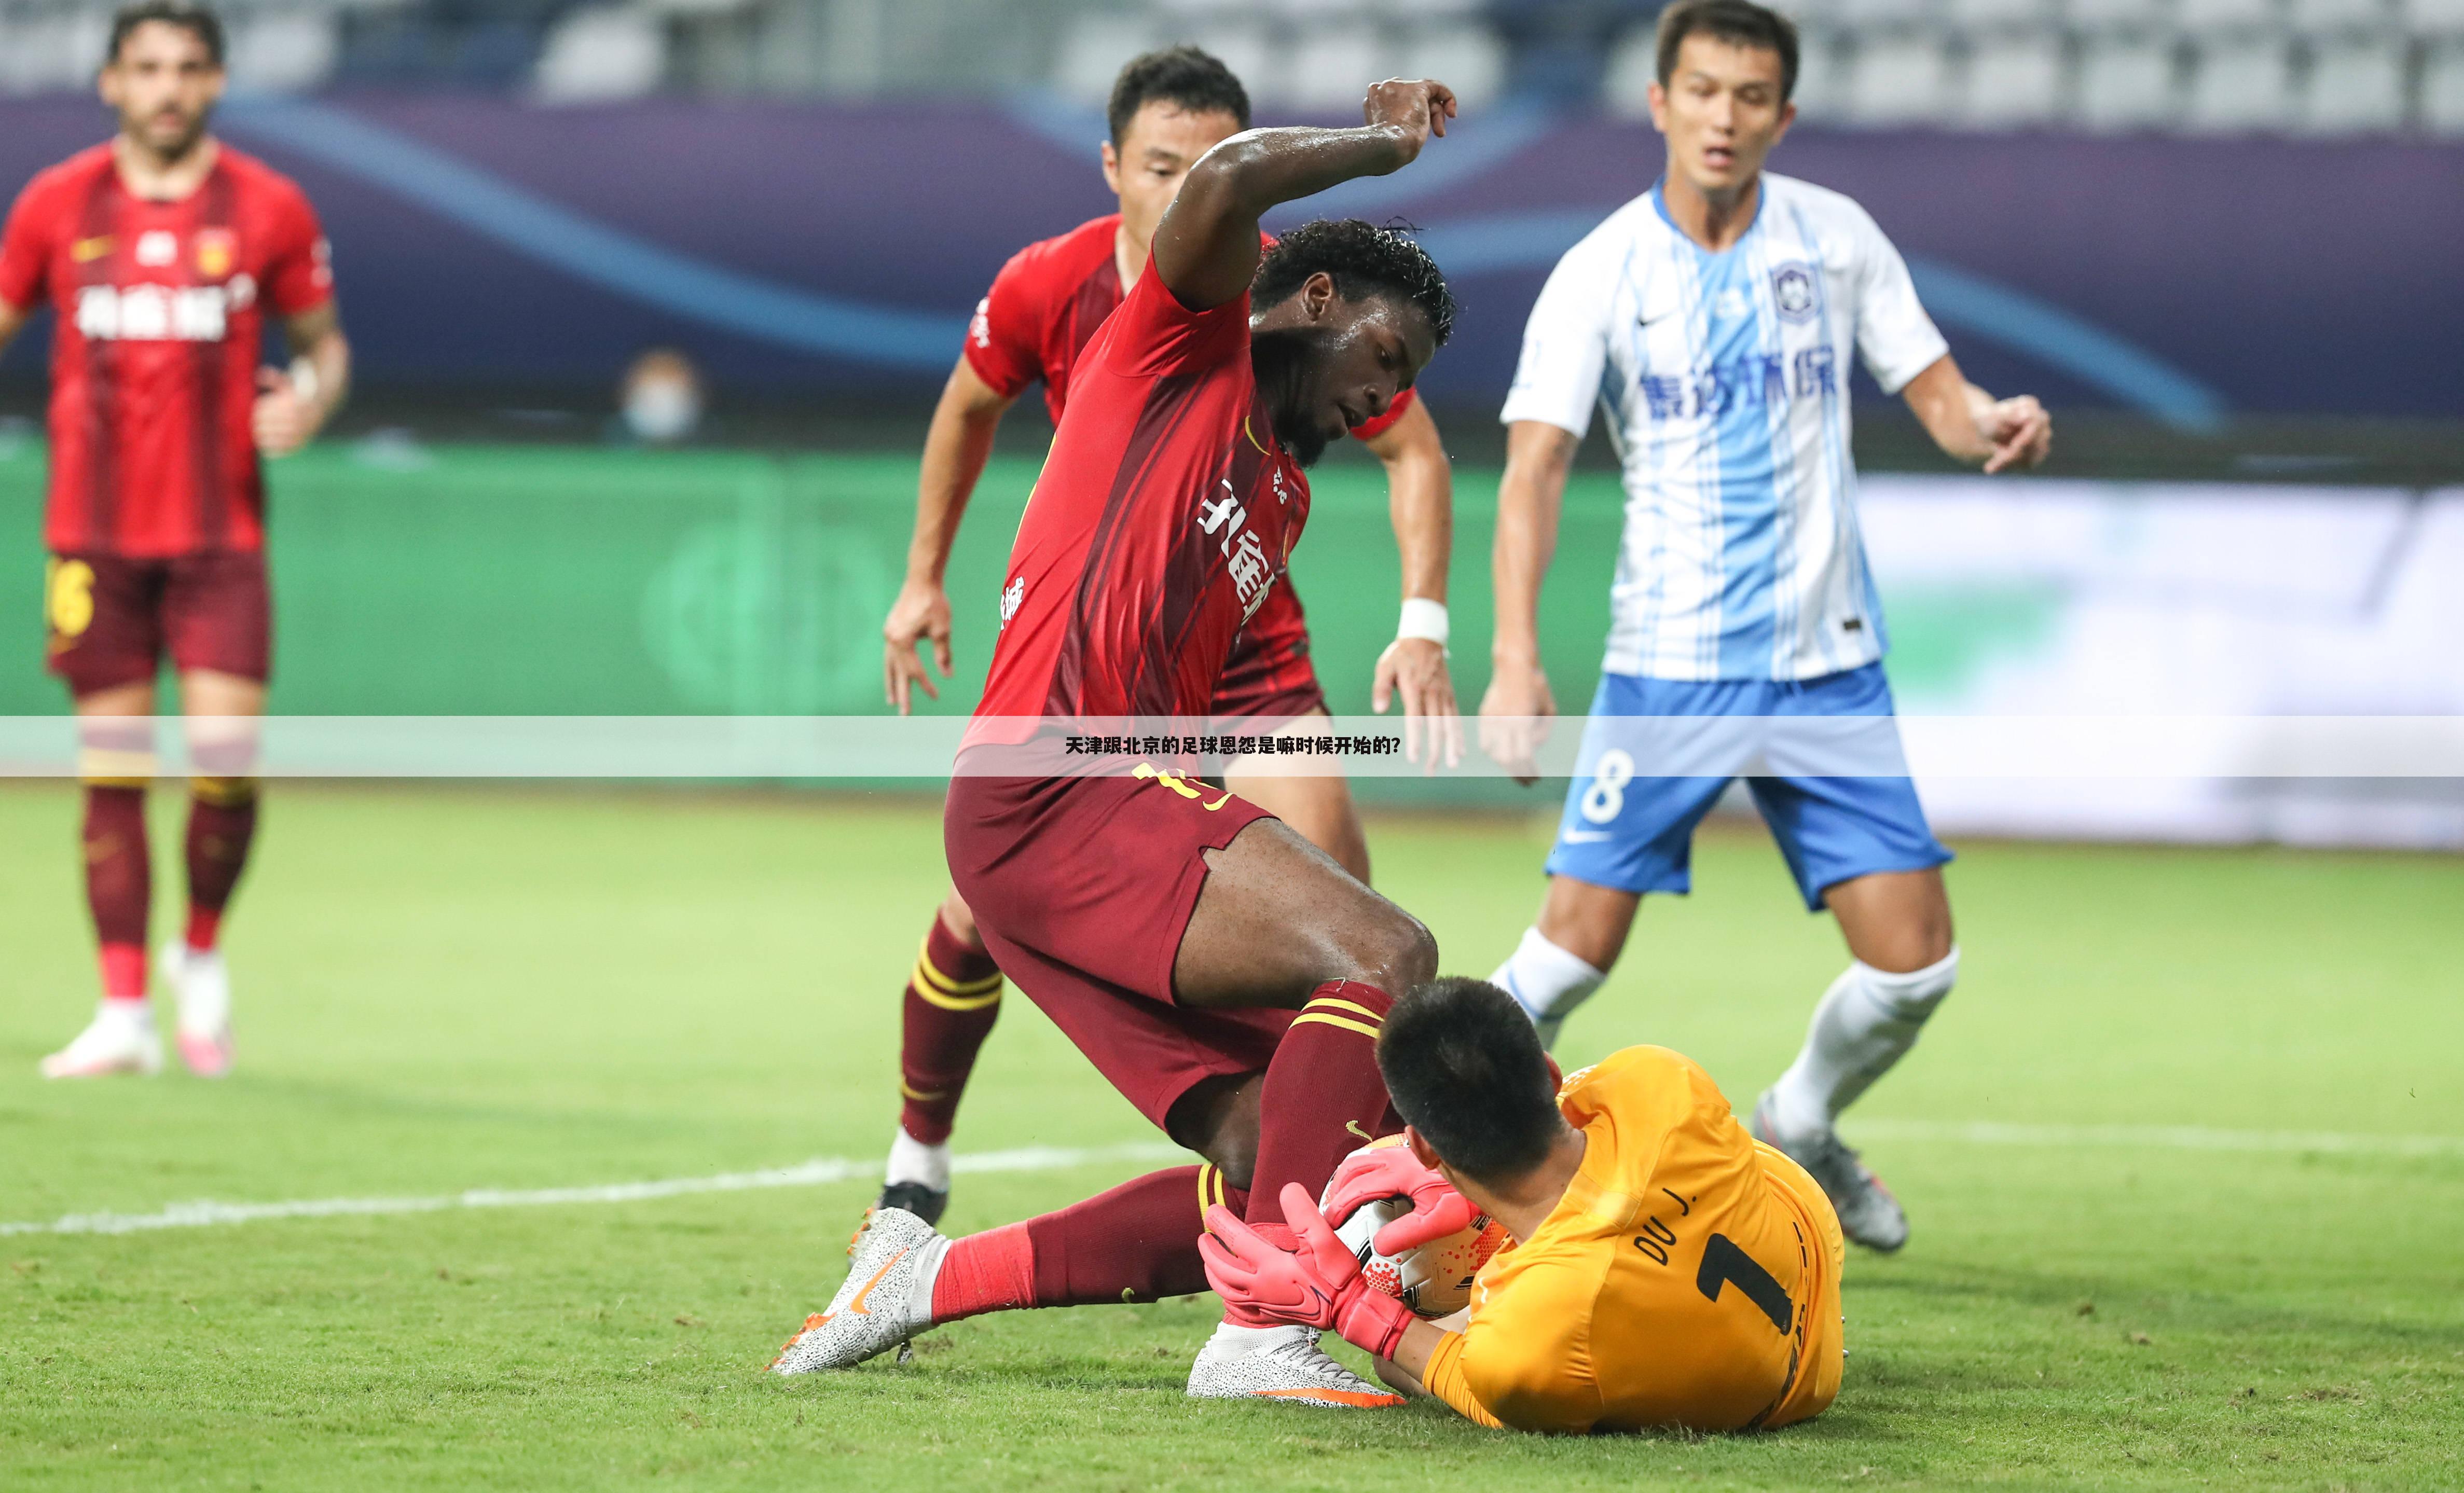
1668,1269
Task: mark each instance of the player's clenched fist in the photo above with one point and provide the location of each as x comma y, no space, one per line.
2021,432
282,421
1417,107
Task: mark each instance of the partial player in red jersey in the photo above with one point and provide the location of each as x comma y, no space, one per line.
1226,976
162,255
1168,109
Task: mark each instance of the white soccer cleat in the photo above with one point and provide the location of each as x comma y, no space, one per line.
876,1309
117,1040
201,985
1282,1363
1868,1212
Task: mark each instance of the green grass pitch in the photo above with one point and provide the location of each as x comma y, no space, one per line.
451,988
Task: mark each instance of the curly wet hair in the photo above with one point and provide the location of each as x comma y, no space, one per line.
1364,260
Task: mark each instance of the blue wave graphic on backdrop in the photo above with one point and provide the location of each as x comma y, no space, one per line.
608,257
810,321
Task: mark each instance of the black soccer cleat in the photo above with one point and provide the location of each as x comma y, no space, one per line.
914,1197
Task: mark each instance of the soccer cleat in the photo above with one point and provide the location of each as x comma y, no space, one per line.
1868,1212
202,987
875,1310
1282,1363
116,1041
913,1197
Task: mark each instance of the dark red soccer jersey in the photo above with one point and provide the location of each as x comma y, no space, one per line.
1046,305
162,310
1165,511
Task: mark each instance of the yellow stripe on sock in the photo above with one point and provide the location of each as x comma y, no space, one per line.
1324,1020
222,793
1204,1200
921,1095
112,767
1330,1004
922,983
953,987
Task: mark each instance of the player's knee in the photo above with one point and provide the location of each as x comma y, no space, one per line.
1397,953
960,920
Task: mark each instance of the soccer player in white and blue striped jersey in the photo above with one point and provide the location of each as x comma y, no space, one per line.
1714,319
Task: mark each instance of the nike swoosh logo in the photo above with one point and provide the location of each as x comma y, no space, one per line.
1583,836
1217,804
1354,1125
857,1306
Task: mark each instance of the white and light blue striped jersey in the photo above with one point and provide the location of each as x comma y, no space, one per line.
1726,381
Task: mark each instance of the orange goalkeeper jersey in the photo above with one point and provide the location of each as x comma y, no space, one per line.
1689,1278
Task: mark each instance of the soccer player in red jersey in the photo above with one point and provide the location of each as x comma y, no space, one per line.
1167,109
162,255
1226,976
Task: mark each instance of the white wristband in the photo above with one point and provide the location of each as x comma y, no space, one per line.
1422,619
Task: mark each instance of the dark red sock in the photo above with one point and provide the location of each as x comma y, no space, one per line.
118,883
952,999
1136,1242
1324,1097
222,821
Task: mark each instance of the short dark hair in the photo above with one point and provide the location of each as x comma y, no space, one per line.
1364,260
1190,76
1740,23
1464,1069
190,17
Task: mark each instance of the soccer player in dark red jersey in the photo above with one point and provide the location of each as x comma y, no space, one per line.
1226,976
162,253
1167,109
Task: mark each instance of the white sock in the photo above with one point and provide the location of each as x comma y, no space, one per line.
911,1161
1867,1021
136,1015
919,1300
1547,981
1252,1339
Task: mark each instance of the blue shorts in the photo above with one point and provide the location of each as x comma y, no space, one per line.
1637,833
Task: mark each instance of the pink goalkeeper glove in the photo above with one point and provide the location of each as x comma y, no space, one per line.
1376,1172
1317,1284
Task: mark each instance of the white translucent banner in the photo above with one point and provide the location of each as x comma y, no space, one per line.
1934,749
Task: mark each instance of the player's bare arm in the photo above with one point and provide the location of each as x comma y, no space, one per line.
1530,499
955,447
1971,426
293,404
12,320
1206,247
1420,496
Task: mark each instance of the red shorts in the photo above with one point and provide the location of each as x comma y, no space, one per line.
111,620
1270,676
1082,888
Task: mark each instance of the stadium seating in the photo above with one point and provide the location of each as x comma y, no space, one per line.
2327,66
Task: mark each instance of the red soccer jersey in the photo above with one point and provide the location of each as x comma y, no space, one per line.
1164,512
162,310
1046,305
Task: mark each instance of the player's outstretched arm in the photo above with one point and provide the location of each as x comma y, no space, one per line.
1421,500
1514,712
1206,247
292,406
1973,426
955,447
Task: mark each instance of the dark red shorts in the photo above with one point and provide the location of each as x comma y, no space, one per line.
1269,677
110,621
1082,888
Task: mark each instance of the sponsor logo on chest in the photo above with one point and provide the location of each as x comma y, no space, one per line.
159,312
1226,521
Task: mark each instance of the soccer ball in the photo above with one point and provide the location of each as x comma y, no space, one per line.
1434,1279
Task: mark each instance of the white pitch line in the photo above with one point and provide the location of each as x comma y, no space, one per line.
821,1172
825,1171
2158,1137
